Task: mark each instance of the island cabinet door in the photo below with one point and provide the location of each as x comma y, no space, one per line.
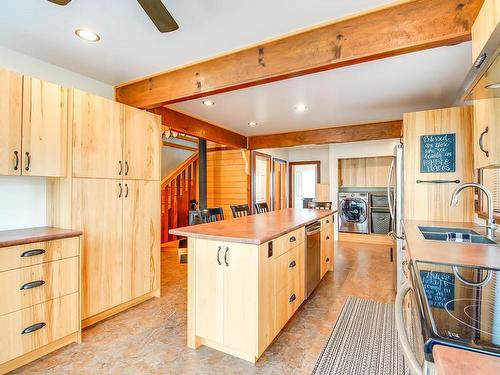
209,289
324,252
241,297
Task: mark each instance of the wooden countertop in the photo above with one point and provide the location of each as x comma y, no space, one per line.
453,361
36,234
450,252
254,229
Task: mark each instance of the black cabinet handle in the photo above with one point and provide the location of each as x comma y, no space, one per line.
327,237
481,142
126,190
121,191
33,328
32,284
293,239
28,161
392,256
292,298
32,253
225,257
16,163
292,264
218,254
126,168
328,221
121,168
327,259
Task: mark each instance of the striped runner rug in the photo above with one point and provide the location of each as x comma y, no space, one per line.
363,341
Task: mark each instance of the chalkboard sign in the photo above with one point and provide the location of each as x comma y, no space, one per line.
437,153
439,288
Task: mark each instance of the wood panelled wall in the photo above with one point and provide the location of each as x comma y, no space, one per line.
364,172
228,179
431,201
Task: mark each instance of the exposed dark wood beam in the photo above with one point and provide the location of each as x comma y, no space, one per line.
339,134
181,147
389,31
198,128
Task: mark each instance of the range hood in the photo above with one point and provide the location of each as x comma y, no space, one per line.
483,79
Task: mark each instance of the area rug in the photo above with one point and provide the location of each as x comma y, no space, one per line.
363,341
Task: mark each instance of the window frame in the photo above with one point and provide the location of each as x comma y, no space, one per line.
480,204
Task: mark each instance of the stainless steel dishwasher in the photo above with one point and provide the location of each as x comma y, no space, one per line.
313,257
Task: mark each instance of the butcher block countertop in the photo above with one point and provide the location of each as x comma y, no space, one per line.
450,252
37,234
254,229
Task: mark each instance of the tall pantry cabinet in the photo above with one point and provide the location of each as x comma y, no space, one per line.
112,193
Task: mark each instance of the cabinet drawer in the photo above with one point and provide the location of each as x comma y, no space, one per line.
39,252
288,241
28,286
288,301
326,221
54,320
286,269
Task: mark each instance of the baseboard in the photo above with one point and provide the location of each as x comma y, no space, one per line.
118,309
379,239
35,354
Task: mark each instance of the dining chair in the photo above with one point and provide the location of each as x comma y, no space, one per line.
320,205
240,210
215,214
260,208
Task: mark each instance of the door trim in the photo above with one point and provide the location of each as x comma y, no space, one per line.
291,164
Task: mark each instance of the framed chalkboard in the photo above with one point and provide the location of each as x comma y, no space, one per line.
439,288
437,153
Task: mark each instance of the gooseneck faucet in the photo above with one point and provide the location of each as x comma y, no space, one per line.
490,221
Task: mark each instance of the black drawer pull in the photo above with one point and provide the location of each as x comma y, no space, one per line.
32,284
327,260
32,253
292,298
292,264
481,147
328,221
293,239
33,328
327,237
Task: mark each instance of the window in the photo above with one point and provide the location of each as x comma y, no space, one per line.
491,179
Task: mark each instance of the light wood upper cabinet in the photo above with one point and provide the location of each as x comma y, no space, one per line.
365,172
98,212
142,149
486,21
45,128
11,89
141,238
487,133
97,137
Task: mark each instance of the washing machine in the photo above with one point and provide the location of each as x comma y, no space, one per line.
353,213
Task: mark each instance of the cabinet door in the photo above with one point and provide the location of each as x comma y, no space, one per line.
45,128
141,238
11,87
97,211
97,137
240,292
142,144
324,252
487,132
209,289
484,25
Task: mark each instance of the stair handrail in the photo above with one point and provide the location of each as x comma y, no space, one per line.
177,171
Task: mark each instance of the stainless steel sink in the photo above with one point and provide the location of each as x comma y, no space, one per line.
475,238
446,230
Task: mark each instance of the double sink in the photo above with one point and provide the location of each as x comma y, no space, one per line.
440,234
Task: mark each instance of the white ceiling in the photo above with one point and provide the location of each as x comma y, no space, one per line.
131,46
374,91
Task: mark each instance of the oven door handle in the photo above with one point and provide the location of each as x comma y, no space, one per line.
414,365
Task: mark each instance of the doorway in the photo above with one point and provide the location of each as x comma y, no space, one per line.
279,190
304,176
261,178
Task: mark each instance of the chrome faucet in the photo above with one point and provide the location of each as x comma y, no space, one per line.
490,221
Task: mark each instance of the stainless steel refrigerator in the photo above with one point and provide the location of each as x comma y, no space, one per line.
395,197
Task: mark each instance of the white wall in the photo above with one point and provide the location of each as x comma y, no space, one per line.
171,158
279,153
354,150
312,154
22,199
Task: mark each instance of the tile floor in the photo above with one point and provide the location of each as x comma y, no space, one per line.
150,338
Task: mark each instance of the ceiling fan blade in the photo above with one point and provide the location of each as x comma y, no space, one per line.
60,2
160,16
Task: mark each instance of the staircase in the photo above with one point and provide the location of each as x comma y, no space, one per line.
177,189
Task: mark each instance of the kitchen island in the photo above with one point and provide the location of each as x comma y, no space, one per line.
247,277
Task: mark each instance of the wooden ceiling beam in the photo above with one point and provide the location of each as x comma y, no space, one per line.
198,128
339,134
396,29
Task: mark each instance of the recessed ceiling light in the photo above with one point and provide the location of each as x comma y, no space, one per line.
252,123
87,35
493,86
300,107
208,103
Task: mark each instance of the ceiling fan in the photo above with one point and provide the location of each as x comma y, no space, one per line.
155,9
